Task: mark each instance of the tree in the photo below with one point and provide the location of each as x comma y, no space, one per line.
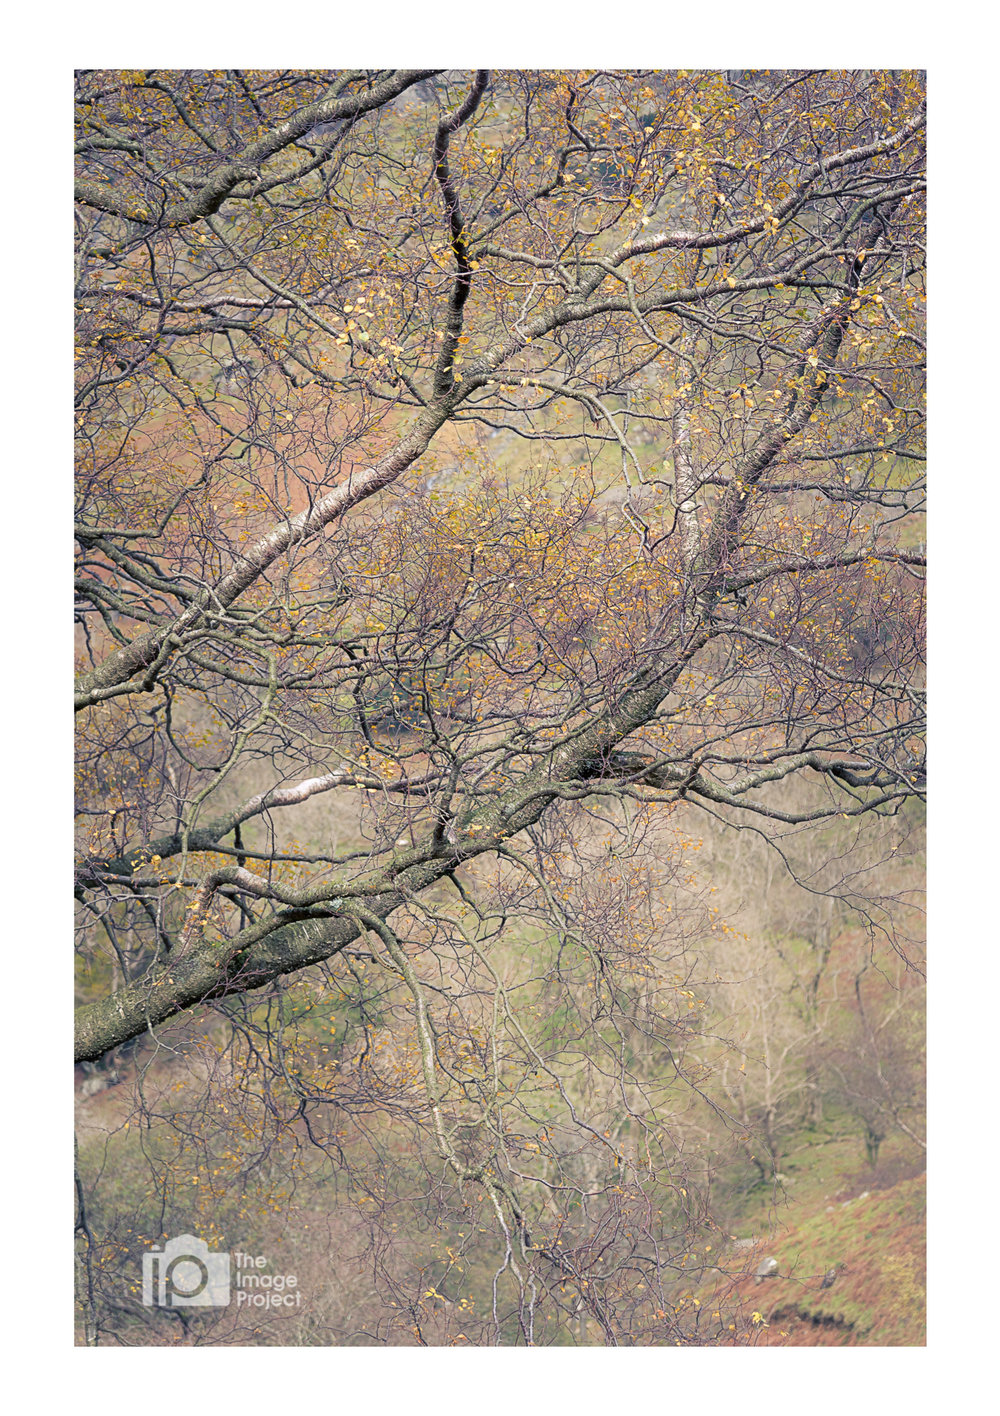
875,1060
787,982
346,713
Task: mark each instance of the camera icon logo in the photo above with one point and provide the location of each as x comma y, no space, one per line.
185,1274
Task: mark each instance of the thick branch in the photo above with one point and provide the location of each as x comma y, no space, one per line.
444,374
265,952
246,167
128,669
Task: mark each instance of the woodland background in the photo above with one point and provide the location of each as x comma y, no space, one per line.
531,464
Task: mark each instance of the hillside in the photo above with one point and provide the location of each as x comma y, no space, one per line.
876,1240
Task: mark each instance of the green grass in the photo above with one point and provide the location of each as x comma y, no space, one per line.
878,1300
